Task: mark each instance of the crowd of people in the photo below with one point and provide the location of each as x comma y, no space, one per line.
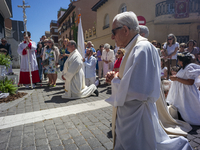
138,71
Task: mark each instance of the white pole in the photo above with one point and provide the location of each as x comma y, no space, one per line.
25,20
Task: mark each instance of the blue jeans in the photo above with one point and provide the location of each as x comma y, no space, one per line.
40,68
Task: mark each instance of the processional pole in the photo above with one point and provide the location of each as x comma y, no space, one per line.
25,20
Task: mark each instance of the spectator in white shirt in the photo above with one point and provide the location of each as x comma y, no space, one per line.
108,58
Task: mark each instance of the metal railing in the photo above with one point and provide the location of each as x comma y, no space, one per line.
54,21
165,8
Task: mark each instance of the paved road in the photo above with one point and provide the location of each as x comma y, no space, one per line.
43,120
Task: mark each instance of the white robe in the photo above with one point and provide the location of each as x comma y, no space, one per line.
75,78
109,56
186,98
137,124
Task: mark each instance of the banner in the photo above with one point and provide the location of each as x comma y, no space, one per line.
81,45
181,9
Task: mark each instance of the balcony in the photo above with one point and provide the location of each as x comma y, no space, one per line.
165,12
6,9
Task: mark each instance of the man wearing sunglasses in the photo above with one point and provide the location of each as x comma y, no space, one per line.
135,89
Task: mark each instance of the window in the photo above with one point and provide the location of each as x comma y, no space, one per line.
55,30
182,39
106,21
123,8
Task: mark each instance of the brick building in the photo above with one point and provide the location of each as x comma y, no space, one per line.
54,31
67,27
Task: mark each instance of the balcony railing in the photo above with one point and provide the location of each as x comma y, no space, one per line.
165,8
9,5
54,21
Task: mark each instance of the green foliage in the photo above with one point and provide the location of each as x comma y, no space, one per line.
7,86
75,32
5,60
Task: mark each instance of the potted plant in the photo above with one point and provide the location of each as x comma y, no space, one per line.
7,86
4,63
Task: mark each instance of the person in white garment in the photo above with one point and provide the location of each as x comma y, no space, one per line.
108,58
28,45
144,31
74,76
135,89
90,67
183,93
173,127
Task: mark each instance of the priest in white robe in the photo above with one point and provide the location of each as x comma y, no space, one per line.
135,89
74,76
24,77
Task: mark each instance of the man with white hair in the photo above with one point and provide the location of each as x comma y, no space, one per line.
135,89
108,58
90,45
144,31
74,76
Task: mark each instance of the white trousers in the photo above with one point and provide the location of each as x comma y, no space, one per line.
106,68
89,81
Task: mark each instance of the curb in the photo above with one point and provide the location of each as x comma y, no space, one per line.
5,106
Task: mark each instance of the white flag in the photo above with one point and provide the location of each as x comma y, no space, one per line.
81,45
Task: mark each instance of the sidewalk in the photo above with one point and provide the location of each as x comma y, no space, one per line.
44,121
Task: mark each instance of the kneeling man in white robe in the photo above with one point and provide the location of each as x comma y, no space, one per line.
74,76
135,89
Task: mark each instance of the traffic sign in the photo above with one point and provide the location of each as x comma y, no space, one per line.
141,20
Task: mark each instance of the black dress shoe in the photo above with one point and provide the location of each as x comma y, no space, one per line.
96,92
109,134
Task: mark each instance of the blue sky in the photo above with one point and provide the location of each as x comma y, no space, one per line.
39,15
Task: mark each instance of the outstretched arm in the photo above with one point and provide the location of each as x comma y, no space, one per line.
184,81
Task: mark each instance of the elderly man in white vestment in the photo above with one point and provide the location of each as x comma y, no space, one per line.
135,90
74,76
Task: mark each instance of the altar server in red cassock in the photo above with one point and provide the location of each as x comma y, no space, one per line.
28,45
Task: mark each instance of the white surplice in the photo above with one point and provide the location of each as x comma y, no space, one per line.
186,98
75,78
134,95
24,58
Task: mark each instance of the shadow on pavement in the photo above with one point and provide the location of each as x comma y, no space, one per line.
194,130
58,99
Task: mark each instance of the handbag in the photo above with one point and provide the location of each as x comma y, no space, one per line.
45,62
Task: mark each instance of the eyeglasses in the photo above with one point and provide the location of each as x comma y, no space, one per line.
154,43
113,30
3,42
118,53
169,39
49,42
